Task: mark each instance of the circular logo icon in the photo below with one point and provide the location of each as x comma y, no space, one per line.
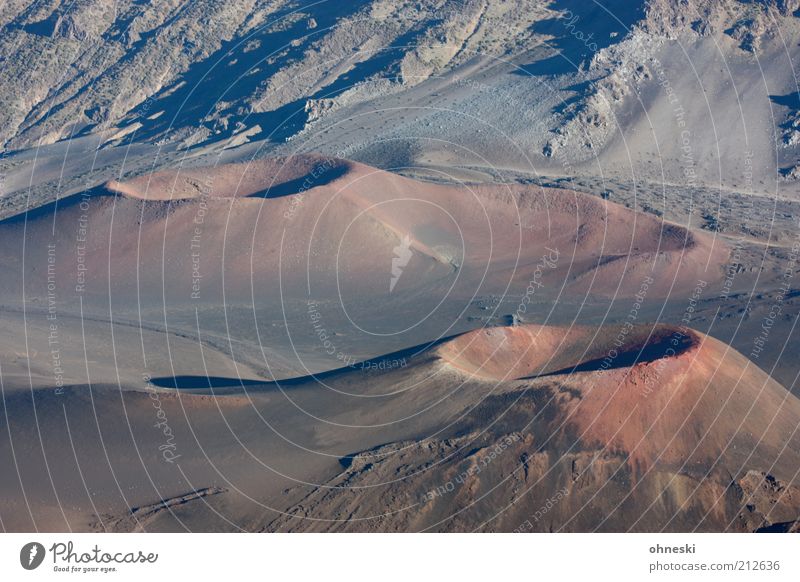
31,555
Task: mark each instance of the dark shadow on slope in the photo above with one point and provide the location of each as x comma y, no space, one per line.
199,91
303,183
52,208
661,347
784,527
584,28
581,91
790,100
287,120
199,382
392,361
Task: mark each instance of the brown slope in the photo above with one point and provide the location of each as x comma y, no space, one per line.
339,223
445,440
698,439
683,386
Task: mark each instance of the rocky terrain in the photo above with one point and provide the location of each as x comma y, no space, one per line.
557,88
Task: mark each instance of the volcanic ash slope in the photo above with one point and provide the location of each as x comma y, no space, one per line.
335,225
672,430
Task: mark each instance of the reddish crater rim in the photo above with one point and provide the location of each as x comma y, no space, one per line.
262,178
529,351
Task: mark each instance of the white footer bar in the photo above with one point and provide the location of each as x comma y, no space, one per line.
401,557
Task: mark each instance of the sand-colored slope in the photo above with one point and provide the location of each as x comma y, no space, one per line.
338,225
